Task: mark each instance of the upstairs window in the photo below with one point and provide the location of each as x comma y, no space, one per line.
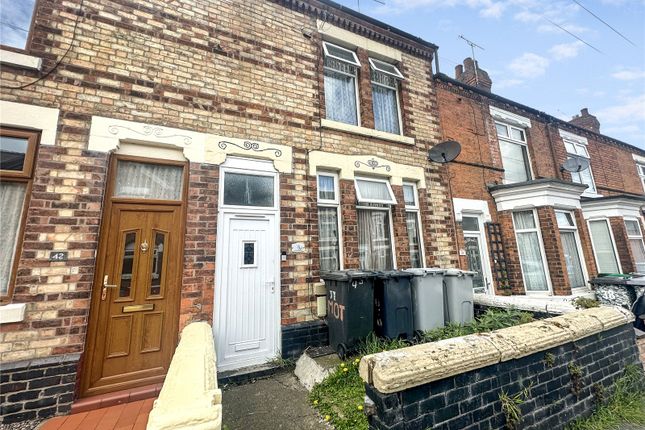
385,96
578,150
635,237
641,173
341,89
515,155
15,22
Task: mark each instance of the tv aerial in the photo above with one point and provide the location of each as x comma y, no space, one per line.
445,152
575,165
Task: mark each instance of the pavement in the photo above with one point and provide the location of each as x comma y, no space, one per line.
277,402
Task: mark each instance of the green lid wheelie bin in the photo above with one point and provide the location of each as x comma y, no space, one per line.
350,308
393,305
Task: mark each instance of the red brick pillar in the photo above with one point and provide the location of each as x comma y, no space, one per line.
365,90
349,217
585,241
622,244
512,254
556,262
400,233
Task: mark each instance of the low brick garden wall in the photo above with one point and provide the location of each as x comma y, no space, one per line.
559,368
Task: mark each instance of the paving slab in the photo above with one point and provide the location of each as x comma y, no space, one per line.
277,402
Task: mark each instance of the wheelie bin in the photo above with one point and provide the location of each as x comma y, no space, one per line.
427,298
350,308
393,305
459,296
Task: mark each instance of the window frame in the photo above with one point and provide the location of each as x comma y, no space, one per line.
362,200
576,235
387,208
396,93
24,176
489,283
374,66
356,83
545,263
634,237
640,168
576,146
327,203
30,33
250,172
613,243
356,63
522,143
417,210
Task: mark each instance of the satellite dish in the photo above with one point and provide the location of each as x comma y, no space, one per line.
445,152
575,165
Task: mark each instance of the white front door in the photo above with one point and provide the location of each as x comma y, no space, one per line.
247,316
476,253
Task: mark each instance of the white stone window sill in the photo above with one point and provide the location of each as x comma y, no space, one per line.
17,59
363,131
14,312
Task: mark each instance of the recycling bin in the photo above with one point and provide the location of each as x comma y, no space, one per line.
458,290
350,308
393,311
427,298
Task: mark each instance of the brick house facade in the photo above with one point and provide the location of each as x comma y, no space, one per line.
495,133
203,88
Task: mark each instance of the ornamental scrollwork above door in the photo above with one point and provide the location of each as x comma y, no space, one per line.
148,130
373,164
250,146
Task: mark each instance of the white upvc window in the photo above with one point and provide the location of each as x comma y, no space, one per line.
413,224
531,251
579,150
385,96
635,237
329,224
641,174
514,151
604,246
571,248
341,84
371,190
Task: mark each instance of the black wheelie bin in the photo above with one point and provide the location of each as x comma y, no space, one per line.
350,308
393,305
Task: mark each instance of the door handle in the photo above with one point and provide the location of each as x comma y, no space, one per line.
105,287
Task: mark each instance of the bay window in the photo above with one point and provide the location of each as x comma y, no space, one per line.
385,96
531,252
571,248
604,249
328,221
410,196
375,244
635,237
341,89
579,150
514,151
17,151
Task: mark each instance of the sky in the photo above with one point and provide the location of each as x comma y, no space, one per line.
532,61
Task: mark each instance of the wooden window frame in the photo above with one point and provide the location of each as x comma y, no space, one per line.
24,176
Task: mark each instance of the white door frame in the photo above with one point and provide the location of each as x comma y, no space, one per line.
483,249
259,168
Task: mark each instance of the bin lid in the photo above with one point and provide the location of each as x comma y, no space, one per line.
393,274
459,272
426,271
609,280
346,275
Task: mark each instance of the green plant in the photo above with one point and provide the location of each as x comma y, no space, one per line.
549,359
373,344
598,394
511,406
585,303
576,378
280,362
625,407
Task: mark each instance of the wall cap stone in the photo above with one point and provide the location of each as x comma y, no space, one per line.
405,368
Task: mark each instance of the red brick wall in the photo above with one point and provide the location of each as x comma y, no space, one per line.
553,251
505,218
585,242
622,244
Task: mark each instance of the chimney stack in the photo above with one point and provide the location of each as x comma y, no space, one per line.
470,74
586,120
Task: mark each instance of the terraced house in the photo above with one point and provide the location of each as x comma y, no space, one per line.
527,221
165,162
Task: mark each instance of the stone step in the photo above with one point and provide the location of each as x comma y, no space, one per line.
314,365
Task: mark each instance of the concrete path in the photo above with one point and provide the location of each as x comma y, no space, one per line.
279,402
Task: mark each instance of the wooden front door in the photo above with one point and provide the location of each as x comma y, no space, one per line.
134,318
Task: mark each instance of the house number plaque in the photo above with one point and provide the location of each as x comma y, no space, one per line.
58,256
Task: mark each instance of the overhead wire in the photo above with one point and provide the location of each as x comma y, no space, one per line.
573,35
603,21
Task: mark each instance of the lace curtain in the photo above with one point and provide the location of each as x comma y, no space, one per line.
639,254
148,181
374,245
340,97
572,258
386,112
328,243
603,247
532,264
413,238
12,198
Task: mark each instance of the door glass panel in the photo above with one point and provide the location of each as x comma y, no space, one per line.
572,259
148,181
12,152
158,253
128,264
248,190
474,257
248,253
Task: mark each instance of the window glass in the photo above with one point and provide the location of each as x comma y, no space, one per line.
564,219
572,259
517,134
340,53
515,161
329,246
632,227
148,181
248,190
603,246
474,257
469,223
374,191
374,240
13,151
638,251
158,253
412,225
408,195
531,257
326,187
340,97
12,198
15,22
248,253
386,68
502,130
127,265
386,109
524,220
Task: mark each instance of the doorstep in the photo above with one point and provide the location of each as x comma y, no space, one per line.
116,398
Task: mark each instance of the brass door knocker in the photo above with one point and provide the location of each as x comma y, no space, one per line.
144,246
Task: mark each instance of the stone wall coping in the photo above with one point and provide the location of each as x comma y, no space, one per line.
405,368
43,361
190,397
